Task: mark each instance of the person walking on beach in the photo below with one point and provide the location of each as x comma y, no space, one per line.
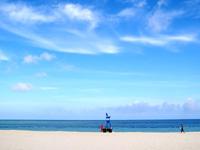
182,129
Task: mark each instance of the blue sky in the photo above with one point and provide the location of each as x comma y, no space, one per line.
136,59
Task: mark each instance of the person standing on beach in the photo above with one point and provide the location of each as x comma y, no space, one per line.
182,129
108,124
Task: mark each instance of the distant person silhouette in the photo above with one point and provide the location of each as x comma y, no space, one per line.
182,129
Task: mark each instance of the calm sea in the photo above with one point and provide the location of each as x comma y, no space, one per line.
93,125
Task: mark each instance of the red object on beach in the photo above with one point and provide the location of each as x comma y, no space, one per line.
101,128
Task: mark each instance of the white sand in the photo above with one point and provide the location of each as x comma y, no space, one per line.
35,140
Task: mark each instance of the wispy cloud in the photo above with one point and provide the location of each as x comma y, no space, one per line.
73,26
66,21
92,44
133,10
46,56
3,57
127,12
22,87
27,14
159,40
28,59
24,14
80,13
137,3
160,20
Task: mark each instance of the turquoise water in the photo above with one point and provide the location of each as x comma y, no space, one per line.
93,125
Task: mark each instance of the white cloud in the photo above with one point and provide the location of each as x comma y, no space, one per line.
134,10
78,12
127,12
46,56
24,14
3,57
59,39
137,3
108,48
67,18
22,87
159,20
160,40
144,40
82,45
181,38
28,59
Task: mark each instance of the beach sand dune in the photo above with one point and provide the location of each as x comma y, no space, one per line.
36,140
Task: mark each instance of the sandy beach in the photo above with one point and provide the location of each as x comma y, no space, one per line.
37,140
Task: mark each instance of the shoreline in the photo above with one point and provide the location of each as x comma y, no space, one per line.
165,132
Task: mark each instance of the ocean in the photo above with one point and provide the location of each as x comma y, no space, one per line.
190,125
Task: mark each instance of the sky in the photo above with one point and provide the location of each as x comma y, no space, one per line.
73,59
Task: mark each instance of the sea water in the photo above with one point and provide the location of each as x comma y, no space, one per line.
190,125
